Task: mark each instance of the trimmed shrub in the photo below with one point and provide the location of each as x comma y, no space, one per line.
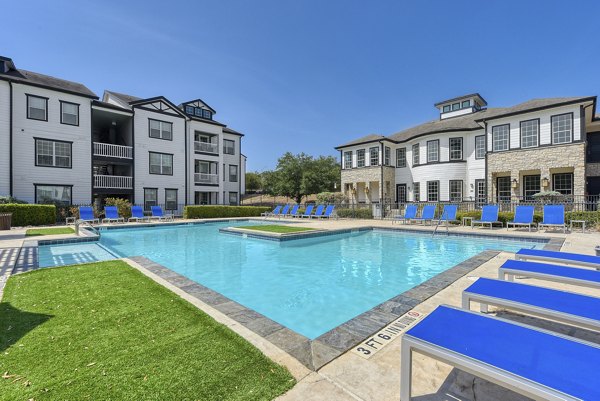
592,219
30,215
123,206
214,211
363,213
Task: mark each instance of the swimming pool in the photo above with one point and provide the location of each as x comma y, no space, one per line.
308,285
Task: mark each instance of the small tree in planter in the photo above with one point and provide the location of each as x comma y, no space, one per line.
549,197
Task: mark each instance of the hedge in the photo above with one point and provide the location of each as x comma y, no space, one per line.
211,211
30,215
362,213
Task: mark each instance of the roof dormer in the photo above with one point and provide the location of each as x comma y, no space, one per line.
461,105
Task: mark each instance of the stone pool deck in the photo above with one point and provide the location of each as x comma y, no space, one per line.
350,376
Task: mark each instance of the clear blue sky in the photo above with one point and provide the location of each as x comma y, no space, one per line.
306,76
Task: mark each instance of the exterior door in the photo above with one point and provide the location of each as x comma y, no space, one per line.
401,193
480,193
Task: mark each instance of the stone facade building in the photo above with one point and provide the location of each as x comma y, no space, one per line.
477,153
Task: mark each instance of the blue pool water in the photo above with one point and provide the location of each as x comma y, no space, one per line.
308,285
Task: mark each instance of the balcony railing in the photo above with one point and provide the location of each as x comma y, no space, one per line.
109,150
202,178
206,147
113,181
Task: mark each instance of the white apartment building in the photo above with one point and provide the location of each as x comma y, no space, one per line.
475,153
60,143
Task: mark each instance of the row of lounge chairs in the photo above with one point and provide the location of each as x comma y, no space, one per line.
537,363
321,211
111,215
554,216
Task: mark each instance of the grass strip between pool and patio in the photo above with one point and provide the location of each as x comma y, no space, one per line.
105,331
49,231
279,229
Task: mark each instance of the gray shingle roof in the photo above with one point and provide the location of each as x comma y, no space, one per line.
46,81
470,121
123,97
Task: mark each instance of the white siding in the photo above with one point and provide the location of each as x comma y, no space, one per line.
26,174
4,138
193,126
229,160
144,145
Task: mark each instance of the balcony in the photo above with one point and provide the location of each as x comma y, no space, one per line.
113,181
203,178
206,147
109,150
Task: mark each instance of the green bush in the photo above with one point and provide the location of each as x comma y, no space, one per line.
123,206
592,219
213,211
30,215
363,213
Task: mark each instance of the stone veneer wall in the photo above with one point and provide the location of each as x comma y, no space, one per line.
544,161
356,175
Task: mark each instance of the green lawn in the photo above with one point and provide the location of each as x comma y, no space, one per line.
49,231
104,331
273,228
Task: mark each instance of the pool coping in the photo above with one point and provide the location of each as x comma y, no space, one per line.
311,353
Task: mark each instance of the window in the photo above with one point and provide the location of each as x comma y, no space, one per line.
433,191
233,173
348,160
189,109
198,112
60,194
374,156
415,154
480,147
455,106
170,199
446,109
150,197
530,131
401,157
593,147
456,149
387,156
207,114
562,128
466,103
503,192
500,137
233,198
52,153
456,190
531,186
563,183
417,191
480,193
37,108
160,129
433,151
228,147
161,163
360,158
69,113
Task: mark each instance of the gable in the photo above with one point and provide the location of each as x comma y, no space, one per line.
159,105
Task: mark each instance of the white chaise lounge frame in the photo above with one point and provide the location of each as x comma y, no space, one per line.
508,274
485,371
556,260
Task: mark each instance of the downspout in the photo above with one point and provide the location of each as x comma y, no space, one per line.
485,160
10,142
582,127
185,174
239,201
381,160
133,155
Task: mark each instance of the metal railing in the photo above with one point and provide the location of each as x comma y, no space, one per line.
206,147
113,181
110,150
203,178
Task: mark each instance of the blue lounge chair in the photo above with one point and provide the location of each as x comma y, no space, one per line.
554,216
410,212
559,257
449,213
328,212
523,217
86,213
137,214
533,362
273,212
489,215
294,211
427,214
111,213
157,213
308,211
546,271
318,211
562,306
284,212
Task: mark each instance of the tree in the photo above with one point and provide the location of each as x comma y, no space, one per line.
299,175
253,182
